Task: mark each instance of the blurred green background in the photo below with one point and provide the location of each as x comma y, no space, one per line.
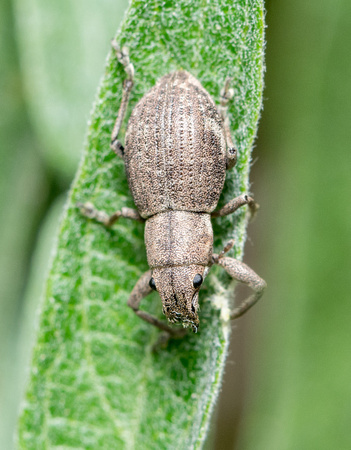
288,377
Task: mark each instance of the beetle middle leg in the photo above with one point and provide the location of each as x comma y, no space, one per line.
243,273
235,204
123,57
141,290
88,210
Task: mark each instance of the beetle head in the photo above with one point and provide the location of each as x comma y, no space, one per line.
178,287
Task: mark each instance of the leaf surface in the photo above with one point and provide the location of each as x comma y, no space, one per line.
95,383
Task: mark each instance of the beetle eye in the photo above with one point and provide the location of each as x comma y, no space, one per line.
152,284
197,280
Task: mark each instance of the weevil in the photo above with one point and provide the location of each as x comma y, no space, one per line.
178,147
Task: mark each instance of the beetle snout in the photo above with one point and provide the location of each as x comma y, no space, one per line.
178,310
178,287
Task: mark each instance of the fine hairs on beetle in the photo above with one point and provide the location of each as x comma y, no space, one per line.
178,147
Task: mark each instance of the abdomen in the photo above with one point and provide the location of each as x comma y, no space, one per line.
175,148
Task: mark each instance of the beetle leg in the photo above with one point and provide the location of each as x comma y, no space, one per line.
229,245
227,94
141,290
236,203
88,209
123,58
241,272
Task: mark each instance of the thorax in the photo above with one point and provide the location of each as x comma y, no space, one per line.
175,238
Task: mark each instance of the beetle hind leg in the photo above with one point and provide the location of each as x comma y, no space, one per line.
227,94
123,58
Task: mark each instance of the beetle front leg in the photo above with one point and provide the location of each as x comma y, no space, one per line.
88,210
241,272
141,290
123,58
235,204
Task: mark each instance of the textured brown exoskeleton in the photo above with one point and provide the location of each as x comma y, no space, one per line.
177,150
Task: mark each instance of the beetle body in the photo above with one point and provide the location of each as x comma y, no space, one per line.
175,159
177,150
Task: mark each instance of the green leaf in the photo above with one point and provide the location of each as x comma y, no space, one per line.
38,274
95,382
62,48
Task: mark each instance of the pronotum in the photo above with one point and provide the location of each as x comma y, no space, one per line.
177,150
